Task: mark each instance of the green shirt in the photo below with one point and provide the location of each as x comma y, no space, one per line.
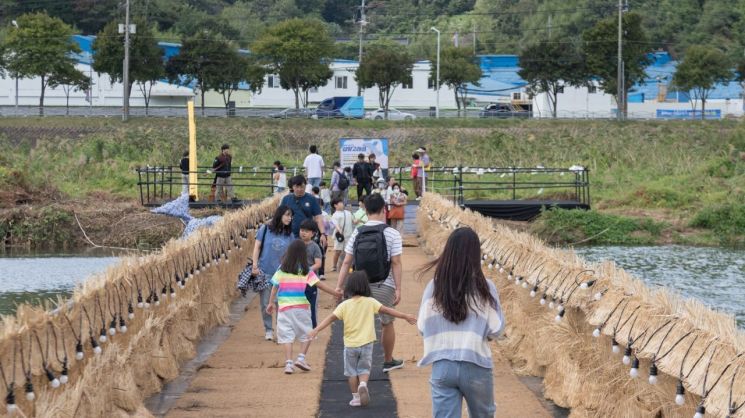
361,217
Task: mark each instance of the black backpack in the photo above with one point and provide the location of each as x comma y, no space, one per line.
371,252
343,182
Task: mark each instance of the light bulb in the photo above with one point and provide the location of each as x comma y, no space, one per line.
525,285
560,308
490,266
140,305
501,269
598,296
79,355
63,379
481,262
551,305
626,360
123,329
680,393
532,293
614,347
653,374
30,396
11,408
634,373
147,305
583,286
112,331
652,380
596,333
543,300
102,338
509,276
55,383
157,302
700,412
680,400
97,350
557,318
131,315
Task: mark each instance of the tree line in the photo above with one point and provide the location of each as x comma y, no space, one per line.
299,52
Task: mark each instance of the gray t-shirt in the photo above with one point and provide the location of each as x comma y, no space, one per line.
313,251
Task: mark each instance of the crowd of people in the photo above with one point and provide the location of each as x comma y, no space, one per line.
459,312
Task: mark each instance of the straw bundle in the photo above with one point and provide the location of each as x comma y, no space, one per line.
571,350
175,295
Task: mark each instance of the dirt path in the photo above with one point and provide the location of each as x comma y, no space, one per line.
244,377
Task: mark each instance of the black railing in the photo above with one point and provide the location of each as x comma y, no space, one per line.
161,184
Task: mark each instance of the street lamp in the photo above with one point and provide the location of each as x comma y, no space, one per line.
437,109
16,26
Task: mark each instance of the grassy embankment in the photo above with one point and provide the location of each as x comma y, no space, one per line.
652,182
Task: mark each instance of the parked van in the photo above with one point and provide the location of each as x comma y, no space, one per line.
347,107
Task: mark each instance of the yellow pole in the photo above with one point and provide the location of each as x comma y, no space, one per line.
193,187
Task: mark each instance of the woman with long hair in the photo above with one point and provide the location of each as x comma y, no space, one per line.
272,240
460,313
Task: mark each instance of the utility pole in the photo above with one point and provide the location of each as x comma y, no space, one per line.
619,94
362,35
437,109
474,38
549,26
125,70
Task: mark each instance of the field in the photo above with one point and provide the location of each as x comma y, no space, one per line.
652,181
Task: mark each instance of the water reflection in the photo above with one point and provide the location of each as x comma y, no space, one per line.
715,276
35,279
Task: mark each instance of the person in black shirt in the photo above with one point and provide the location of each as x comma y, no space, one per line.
184,166
362,171
224,183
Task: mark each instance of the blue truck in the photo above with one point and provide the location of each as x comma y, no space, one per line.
343,107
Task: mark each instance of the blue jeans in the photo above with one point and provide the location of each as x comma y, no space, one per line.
451,381
314,181
265,317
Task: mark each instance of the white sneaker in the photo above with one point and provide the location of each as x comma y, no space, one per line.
355,401
302,365
288,368
269,336
364,394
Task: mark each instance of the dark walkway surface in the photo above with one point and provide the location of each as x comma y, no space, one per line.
335,393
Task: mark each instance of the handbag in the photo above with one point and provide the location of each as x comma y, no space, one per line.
396,212
338,235
246,278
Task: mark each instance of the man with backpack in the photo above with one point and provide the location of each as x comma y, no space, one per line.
362,171
376,248
339,182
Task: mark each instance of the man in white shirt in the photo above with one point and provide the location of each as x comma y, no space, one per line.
314,167
388,291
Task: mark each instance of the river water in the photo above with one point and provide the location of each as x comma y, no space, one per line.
716,276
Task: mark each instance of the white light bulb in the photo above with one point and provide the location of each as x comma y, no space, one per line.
698,415
626,360
509,276
102,339
598,296
543,301
97,350
551,305
583,286
123,329
557,318
501,269
490,266
147,305
532,293
63,379
55,383
112,331
30,396
596,333
79,355
680,399
228,261
525,285
481,262
11,408
131,315
140,305
634,373
615,349
517,281
173,295
157,302
652,380
560,308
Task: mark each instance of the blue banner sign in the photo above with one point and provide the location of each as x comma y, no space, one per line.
688,114
350,148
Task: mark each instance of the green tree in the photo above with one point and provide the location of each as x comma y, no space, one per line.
145,57
201,56
601,54
299,51
549,66
702,68
70,79
236,69
40,46
385,65
458,67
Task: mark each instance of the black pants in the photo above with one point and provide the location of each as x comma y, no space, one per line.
311,293
367,187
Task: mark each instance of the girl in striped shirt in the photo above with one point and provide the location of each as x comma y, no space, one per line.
460,313
293,318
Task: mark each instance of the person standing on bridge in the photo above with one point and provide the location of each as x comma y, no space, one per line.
459,314
221,166
376,248
314,167
272,240
362,172
304,206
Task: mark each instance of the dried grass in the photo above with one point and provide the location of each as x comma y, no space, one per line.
579,370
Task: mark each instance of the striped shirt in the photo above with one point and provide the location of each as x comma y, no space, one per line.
393,242
291,289
466,341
